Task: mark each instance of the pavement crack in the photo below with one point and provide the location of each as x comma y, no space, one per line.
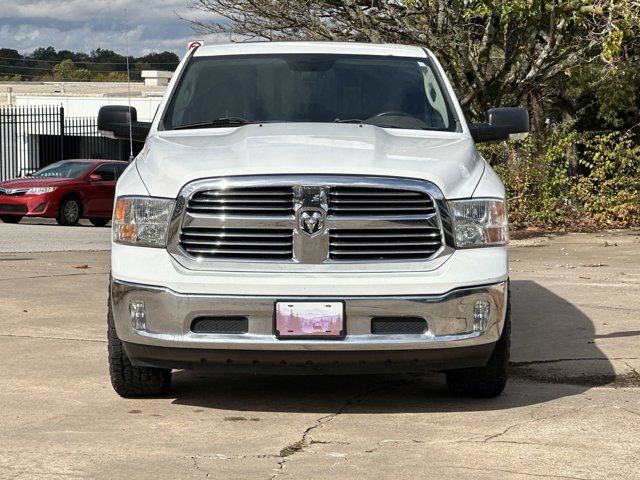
558,360
300,445
383,443
322,442
197,467
43,337
33,277
493,436
633,370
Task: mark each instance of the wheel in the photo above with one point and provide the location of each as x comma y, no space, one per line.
99,222
70,211
488,381
11,218
129,380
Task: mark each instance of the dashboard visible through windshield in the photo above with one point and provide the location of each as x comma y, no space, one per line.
390,92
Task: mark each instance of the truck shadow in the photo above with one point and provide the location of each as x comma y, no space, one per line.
553,356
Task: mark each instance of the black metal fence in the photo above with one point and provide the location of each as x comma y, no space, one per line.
34,137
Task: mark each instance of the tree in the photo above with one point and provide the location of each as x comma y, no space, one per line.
160,61
48,53
10,62
495,51
66,70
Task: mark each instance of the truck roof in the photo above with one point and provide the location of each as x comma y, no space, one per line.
344,48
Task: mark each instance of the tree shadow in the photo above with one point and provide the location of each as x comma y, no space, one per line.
553,356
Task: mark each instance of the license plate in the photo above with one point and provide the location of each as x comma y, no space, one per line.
309,319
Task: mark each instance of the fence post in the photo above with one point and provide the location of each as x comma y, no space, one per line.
61,132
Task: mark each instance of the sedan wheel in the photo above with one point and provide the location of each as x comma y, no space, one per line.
69,213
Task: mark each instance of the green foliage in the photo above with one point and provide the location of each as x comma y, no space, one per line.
66,70
610,193
110,77
542,193
99,65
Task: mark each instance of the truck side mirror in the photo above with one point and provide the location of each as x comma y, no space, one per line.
113,122
505,123
95,177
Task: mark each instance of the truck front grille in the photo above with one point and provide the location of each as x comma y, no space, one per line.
264,200
308,219
384,244
241,243
371,201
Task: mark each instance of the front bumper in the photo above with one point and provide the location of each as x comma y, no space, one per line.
28,205
449,341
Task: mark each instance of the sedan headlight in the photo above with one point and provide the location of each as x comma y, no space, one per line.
40,190
142,221
479,223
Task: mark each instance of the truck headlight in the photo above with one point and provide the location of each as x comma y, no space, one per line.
478,223
142,221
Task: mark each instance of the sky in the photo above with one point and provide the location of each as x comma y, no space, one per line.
84,25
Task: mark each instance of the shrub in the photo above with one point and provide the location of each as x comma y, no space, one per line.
543,192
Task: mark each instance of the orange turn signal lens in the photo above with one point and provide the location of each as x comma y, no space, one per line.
119,211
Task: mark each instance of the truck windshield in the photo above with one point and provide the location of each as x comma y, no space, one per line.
390,92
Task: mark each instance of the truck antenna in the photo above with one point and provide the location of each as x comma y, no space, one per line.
126,47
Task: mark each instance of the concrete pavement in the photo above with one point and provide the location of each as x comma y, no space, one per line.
45,235
571,410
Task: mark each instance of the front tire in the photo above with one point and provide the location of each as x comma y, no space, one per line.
129,380
11,218
488,381
69,212
99,222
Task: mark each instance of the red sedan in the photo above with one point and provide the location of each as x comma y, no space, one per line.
67,191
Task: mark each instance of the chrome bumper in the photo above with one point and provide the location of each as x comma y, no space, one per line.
169,316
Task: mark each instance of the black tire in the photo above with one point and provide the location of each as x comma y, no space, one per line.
488,381
70,212
129,380
99,222
11,218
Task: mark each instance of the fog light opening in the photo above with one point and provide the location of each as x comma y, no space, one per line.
481,315
137,315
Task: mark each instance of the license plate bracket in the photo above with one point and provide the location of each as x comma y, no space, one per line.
309,320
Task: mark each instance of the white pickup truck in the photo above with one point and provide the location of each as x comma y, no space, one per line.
310,208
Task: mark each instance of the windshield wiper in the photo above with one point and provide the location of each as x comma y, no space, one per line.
217,123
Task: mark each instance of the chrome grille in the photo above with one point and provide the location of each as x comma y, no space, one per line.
308,219
243,201
241,243
384,244
369,201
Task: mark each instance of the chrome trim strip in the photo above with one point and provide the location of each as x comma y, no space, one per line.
309,251
13,191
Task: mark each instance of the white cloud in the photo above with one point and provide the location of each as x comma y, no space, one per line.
81,25
82,10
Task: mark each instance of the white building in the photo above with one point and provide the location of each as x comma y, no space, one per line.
84,99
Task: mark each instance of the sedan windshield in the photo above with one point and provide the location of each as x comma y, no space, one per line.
231,91
63,170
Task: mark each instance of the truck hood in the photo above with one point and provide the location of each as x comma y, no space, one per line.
172,159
